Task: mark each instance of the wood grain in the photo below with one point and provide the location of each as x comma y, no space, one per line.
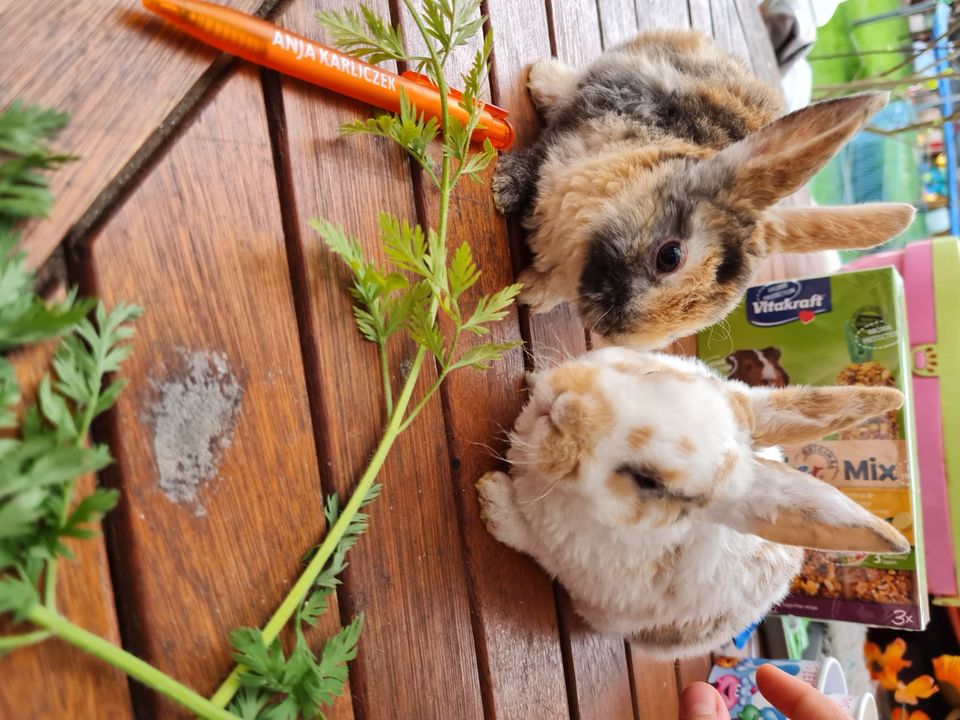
575,31
692,670
408,576
740,46
725,28
618,21
199,245
597,676
662,13
600,679
655,682
515,622
700,19
116,69
762,57
54,680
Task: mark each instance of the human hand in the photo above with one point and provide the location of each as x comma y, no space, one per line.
791,696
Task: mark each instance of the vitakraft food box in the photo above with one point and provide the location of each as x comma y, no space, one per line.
848,329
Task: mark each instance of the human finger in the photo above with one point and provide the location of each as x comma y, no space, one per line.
701,701
794,698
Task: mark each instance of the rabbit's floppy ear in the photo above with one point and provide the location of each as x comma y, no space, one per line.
782,156
792,508
834,228
799,414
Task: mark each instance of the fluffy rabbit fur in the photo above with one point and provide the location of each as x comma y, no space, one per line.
649,195
648,486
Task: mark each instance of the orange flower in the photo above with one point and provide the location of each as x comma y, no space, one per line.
884,667
916,690
900,714
947,669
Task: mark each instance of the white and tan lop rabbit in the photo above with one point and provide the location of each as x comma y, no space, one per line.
653,490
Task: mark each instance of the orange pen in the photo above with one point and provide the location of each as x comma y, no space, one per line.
266,44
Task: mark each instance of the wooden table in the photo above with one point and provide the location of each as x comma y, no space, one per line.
196,178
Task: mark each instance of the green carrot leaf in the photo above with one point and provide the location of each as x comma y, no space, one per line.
250,703
89,510
480,357
463,273
405,245
17,597
337,652
347,248
364,36
264,664
9,394
491,308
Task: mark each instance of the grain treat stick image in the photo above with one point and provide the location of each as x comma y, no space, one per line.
649,196
882,427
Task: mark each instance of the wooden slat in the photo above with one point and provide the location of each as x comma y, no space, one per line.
598,670
689,671
662,14
758,45
655,684
117,70
417,655
575,31
740,45
199,245
54,680
700,19
515,620
724,31
597,673
618,21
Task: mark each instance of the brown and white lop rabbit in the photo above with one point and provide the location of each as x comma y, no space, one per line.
650,193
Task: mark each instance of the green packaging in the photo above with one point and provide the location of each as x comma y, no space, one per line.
840,330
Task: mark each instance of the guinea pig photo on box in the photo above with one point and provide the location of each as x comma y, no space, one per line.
654,491
649,195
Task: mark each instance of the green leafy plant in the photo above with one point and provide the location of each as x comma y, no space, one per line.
41,457
419,293
279,687
24,132
43,447
24,194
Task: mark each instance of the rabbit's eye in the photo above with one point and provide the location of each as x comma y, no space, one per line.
669,257
641,477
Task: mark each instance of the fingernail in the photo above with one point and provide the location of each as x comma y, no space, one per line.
699,702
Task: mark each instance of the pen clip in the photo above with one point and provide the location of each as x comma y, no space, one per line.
498,112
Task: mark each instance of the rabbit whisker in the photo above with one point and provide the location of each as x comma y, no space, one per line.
549,490
493,453
593,328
